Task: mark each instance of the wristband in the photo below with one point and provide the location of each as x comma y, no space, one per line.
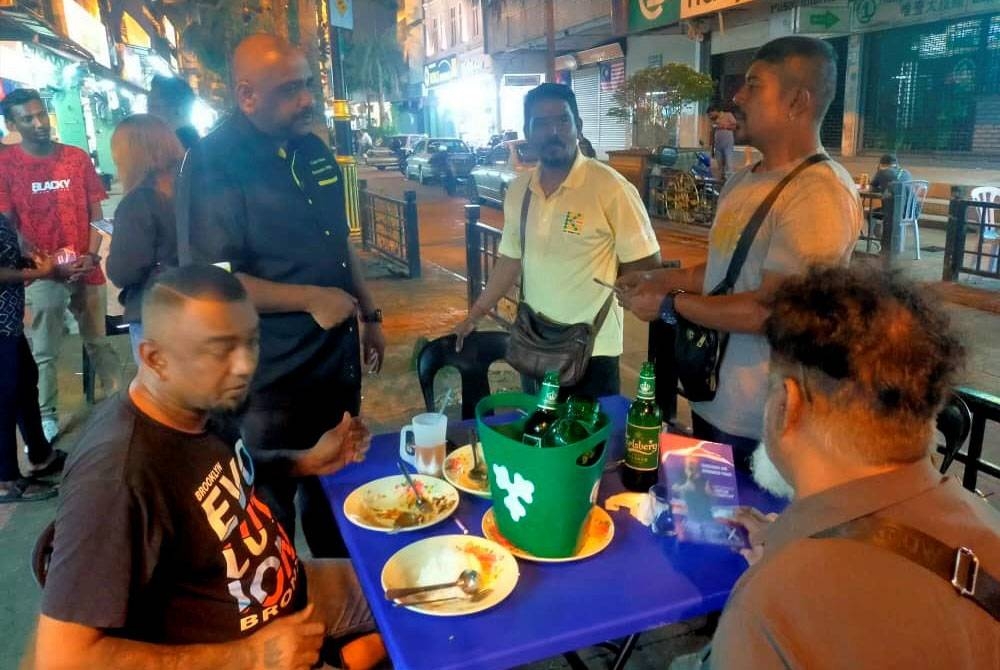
668,314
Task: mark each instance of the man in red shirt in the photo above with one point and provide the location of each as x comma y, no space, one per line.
52,193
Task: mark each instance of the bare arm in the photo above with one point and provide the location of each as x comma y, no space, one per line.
651,262
270,297
96,214
337,448
291,642
735,313
504,275
361,291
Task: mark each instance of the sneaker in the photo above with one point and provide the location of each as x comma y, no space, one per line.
50,426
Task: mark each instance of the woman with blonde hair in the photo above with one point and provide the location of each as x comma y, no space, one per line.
147,154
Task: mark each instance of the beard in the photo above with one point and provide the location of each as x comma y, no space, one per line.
767,476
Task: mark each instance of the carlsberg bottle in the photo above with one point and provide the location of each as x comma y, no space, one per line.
541,420
641,467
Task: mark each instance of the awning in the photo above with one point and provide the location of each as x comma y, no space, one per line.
25,27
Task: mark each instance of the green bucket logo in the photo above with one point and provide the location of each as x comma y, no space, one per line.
517,489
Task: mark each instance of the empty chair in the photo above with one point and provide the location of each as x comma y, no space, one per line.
986,217
473,362
954,421
909,206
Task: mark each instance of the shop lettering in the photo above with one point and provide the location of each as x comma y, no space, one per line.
53,185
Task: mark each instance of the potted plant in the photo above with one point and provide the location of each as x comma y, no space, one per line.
652,99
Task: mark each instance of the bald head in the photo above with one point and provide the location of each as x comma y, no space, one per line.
271,81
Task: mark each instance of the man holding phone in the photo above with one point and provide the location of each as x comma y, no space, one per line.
583,221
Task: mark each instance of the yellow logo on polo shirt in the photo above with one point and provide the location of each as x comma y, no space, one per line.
573,223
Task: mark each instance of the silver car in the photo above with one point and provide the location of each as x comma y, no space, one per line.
432,158
501,167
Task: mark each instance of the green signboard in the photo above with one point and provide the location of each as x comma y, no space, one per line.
646,14
878,14
823,19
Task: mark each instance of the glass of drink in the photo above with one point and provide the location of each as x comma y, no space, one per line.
661,515
427,450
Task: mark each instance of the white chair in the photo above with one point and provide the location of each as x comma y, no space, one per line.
986,217
911,203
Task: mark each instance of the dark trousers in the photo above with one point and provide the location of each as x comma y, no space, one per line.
743,447
295,424
600,379
19,406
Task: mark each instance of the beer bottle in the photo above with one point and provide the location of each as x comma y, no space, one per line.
572,427
641,466
545,415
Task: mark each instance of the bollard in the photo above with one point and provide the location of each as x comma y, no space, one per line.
889,225
954,241
473,259
412,232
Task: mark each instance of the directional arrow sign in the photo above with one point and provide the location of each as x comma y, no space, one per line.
826,20
823,19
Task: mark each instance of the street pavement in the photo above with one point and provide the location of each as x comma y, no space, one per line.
427,308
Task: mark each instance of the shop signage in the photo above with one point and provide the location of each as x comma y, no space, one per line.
342,14
691,8
133,33
87,30
471,65
879,14
440,71
823,18
646,14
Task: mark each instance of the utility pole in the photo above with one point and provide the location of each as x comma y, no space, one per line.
550,41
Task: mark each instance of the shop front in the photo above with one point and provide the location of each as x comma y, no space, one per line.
595,75
462,97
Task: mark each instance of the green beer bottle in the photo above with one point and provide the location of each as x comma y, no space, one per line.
542,419
641,467
572,427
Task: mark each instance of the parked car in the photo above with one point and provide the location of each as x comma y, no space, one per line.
382,157
483,152
501,167
438,158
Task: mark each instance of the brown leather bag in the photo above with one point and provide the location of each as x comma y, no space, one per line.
538,344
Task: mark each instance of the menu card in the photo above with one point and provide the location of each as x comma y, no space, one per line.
703,491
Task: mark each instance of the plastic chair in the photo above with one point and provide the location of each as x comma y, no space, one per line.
954,421
987,220
473,362
910,204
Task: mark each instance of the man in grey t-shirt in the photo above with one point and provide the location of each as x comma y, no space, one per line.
816,219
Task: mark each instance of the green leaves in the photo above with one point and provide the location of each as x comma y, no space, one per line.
655,96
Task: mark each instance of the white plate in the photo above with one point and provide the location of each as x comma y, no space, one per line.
456,469
376,505
598,535
442,558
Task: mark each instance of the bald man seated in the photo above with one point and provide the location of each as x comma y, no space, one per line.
267,199
164,556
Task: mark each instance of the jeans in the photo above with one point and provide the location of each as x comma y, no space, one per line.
19,407
47,301
743,447
333,587
601,379
296,424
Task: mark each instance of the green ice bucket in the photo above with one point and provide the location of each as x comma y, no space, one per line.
541,497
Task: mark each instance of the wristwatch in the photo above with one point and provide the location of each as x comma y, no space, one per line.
374,316
668,314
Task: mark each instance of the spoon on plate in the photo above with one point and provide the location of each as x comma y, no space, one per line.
422,504
478,472
468,581
475,598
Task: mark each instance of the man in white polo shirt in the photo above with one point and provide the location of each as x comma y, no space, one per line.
584,221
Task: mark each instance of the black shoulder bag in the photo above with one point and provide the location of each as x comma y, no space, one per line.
538,344
698,350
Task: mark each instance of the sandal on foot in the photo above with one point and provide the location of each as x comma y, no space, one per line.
26,490
53,466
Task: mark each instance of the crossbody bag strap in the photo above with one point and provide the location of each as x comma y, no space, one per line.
960,567
525,204
750,232
182,209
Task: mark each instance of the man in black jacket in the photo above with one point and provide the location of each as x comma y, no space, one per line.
267,202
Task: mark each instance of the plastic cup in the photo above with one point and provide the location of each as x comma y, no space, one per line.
661,514
427,451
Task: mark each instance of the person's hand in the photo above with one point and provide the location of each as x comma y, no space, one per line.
330,306
373,346
463,330
755,522
85,264
336,448
45,266
289,643
642,292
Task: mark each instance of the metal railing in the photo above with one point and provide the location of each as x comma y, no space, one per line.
984,407
482,244
982,219
389,227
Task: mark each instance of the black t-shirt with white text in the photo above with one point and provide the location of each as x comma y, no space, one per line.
160,538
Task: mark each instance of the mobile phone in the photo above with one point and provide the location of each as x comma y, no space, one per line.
605,284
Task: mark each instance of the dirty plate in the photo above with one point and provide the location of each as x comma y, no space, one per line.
441,559
457,467
388,505
597,536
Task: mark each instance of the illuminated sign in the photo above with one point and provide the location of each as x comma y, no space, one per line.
691,8
87,31
440,71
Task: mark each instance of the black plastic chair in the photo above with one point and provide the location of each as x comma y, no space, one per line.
473,362
954,421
